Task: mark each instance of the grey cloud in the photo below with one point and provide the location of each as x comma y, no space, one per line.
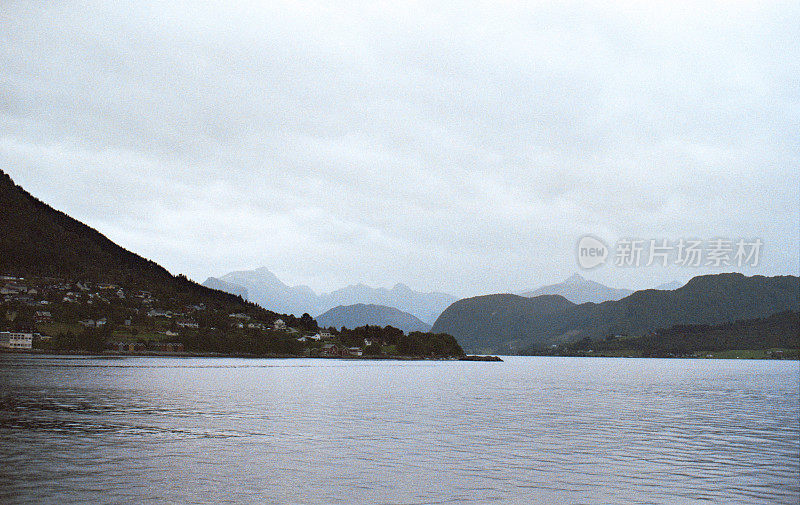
455,148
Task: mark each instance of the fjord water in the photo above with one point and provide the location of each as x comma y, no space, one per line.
529,430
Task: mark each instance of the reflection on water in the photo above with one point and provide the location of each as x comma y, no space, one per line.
530,430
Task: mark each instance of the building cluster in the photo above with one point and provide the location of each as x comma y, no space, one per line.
131,320
335,350
18,340
42,291
15,289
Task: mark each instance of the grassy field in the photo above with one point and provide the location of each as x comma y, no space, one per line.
53,329
147,336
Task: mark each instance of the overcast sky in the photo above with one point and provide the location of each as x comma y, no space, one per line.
456,147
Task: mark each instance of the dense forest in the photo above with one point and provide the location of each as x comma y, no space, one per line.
776,336
389,340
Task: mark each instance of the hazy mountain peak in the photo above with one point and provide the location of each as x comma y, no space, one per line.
575,278
577,289
263,287
261,275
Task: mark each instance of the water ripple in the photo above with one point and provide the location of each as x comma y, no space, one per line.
530,430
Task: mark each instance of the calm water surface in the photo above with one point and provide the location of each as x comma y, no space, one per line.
530,430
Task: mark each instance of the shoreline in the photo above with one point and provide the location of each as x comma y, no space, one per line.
158,354
468,357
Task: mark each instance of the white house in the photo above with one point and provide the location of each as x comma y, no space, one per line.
16,340
279,324
322,335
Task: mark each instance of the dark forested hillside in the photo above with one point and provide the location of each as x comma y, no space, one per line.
776,336
37,240
498,323
504,323
360,314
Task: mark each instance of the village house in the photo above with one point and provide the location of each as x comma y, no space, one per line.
373,341
71,297
330,350
12,289
279,324
16,340
166,346
91,323
130,346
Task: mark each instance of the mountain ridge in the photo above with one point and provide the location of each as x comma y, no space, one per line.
265,288
361,314
707,299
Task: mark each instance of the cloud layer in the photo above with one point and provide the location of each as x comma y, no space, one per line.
453,147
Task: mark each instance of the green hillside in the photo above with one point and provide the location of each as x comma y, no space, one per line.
506,323
776,336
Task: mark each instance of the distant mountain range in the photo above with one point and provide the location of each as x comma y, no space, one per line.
669,286
506,323
263,287
353,316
